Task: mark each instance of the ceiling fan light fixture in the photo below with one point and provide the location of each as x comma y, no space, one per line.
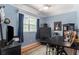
44,8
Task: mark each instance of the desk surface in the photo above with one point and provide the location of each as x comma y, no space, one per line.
10,46
59,41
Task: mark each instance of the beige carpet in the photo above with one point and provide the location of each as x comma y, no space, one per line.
41,50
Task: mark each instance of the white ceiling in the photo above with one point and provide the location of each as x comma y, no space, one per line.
53,8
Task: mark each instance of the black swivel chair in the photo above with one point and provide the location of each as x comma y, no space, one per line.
11,49
44,34
10,33
9,36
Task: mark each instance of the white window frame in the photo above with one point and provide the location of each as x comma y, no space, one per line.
29,28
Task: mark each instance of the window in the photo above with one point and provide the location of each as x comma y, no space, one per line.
30,24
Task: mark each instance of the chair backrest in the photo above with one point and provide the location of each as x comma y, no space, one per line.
45,32
10,33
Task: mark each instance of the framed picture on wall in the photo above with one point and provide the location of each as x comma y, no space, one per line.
57,26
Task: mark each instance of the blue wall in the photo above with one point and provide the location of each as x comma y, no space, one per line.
78,18
70,17
11,13
29,37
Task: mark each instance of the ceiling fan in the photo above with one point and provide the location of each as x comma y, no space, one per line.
45,7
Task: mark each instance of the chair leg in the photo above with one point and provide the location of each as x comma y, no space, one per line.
53,50
47,50
75,52
61,51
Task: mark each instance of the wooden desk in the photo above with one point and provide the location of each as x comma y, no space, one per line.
60,43
12,49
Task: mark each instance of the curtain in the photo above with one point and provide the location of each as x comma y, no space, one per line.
20,29
37,34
